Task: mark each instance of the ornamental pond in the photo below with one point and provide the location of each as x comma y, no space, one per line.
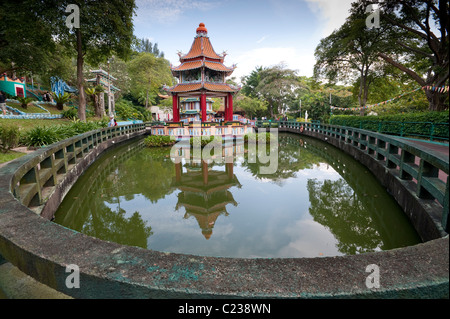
318,202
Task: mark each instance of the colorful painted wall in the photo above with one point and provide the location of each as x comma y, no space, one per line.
12,87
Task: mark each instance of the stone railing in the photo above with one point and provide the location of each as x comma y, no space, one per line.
34,182
33,186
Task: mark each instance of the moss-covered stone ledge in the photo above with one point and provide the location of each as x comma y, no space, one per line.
43,250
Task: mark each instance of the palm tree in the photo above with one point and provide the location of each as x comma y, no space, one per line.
61,99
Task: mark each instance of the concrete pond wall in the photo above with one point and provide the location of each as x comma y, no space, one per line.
32,187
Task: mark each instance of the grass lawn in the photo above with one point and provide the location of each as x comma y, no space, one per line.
25,124
30,108
9,156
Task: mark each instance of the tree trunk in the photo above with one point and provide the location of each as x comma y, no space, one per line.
361,93
80,79
436,100
98,111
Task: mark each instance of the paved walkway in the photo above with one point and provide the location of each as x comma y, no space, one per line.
22,149
437,148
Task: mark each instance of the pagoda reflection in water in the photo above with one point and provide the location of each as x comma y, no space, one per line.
204,191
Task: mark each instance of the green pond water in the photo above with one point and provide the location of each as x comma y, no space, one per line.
319,202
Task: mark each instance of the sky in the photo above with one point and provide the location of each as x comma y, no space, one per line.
253,33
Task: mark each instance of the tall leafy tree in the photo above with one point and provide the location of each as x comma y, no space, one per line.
29,31
148,75
276,85
251,105
106,28
424,26
25,37
350,53
251,81
145,45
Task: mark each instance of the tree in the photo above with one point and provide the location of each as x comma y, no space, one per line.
25,36
106,27
94,93
145,45
61,99
350,53
251,82
252,106
276,84
425,55
148,74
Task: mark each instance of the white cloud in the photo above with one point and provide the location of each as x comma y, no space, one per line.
168,11
331,13
270,56
262,39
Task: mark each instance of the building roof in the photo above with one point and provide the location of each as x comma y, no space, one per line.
197,86
213,65
202,55
103,73
201,47
103,83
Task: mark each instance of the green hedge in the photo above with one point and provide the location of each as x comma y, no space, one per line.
433,125
158,141
45,135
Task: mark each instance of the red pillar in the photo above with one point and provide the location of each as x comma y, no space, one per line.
205,173
175,110
225,104
230,108
203,106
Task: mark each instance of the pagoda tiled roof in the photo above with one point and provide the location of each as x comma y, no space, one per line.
201,47
185,87
220,87
191,65
197,86
217,66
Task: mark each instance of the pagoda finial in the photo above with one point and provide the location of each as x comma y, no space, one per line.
201,30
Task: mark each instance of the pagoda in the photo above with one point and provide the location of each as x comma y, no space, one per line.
205,193
201,73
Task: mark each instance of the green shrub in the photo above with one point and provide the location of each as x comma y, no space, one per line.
256,136
40,136
9,137
126,110
61,99
71,113
205,140
24,101
158,140
43,135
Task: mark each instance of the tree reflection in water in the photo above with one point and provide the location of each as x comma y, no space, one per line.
133,186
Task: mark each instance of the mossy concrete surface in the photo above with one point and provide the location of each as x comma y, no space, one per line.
44,250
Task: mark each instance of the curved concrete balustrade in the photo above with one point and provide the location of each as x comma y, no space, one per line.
32,187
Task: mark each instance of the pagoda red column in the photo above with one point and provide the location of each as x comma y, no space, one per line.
205,172
225,104
178,171
229,111
175,110
203,106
